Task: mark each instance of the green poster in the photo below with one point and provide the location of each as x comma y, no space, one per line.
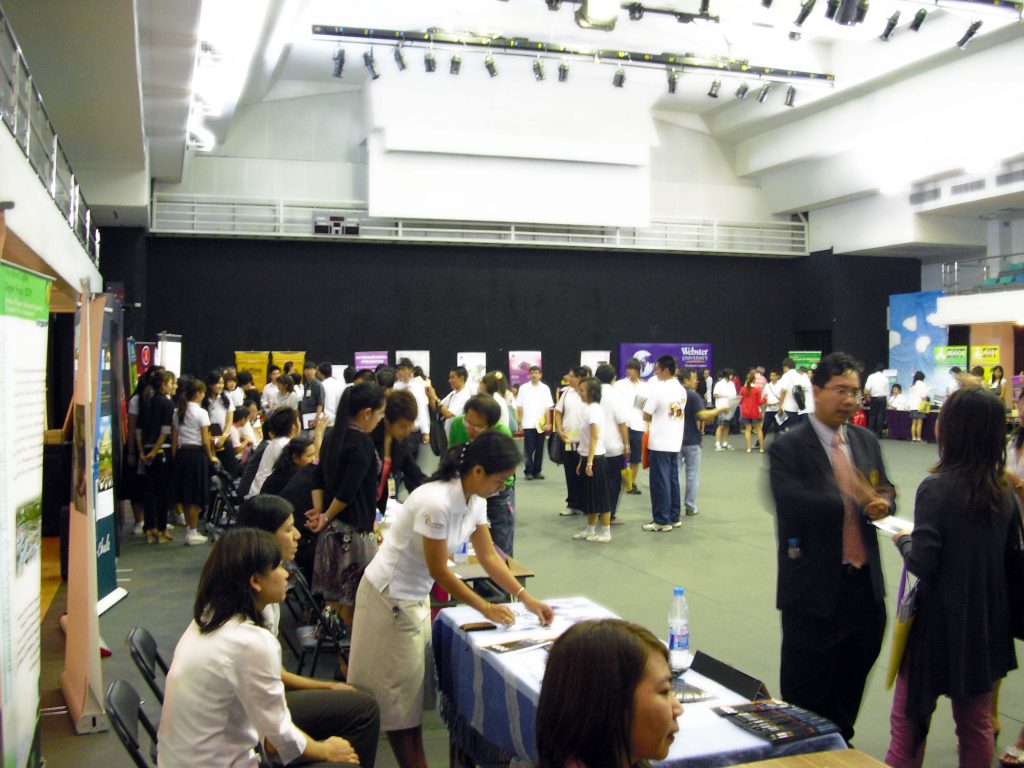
809,359
950,356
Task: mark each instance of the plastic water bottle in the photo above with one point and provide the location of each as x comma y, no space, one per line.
679,631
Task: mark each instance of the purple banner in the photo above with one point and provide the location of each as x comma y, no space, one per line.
370,360
696,356
519,366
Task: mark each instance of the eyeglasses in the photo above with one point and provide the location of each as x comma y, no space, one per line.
848,392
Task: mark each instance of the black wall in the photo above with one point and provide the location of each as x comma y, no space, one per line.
331,299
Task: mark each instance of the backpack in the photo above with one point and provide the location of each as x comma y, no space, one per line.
800,396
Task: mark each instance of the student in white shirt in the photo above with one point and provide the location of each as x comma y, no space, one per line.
332,391
452,405
897,400
495,384
616,435
664,410
224,691
632,391
725,396
532,405
404,379
787,384
321,708
919,393
193,452
591,468
233,392
270,392
392,620
568,413
284,423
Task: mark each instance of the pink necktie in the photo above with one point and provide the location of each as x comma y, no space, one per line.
854,551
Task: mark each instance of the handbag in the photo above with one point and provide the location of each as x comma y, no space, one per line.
1015,572
438,438
556,449
925,406
906,605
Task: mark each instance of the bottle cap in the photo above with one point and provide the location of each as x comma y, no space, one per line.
678,592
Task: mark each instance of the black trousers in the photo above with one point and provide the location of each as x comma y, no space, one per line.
876,415
613,469
573,485
352,715
533,448
501,516
825,662
156,492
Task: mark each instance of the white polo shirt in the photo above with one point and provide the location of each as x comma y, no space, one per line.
631,394
666,403
615,413
534,400
593,414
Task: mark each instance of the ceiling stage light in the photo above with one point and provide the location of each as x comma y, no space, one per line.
713,90
456,64
790,96
400,58
919,17
831,9
619,78
805,11
339,62
763,93
890,26
673,80
971,32
597,14
371,65
492,68
538,69
563,71
429,61
741,92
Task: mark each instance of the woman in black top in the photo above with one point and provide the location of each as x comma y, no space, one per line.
391,439
351,468
960,644
299,452
156,412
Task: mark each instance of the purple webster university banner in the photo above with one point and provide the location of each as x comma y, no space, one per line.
697,356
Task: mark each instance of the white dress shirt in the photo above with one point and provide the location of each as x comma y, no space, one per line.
224,695
633,395
877,385
332,396
455,401
534,400
270,396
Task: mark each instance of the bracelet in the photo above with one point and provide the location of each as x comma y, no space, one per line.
521,590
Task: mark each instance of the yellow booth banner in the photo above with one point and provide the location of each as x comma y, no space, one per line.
254,363
298,359
985,355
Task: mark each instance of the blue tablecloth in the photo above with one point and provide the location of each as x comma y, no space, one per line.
489,701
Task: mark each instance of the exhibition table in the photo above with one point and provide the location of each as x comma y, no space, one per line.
489,700
848,758
899,425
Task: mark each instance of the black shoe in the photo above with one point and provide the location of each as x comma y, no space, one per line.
538,476
528,477
634,492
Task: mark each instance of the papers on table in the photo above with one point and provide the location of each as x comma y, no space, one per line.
891,526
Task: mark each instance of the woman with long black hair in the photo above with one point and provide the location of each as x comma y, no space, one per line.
193,454
155,425
960,644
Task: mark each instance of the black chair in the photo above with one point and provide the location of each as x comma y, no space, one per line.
124,709
143,650
309,611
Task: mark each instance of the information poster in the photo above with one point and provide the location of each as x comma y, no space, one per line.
946,358
519,366
24,316
103,474
987,356
255,364
297,359
806,358
594,357
370,360
692,355
420,357
141,357
475,364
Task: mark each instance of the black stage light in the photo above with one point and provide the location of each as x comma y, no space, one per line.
971,31
919,17
766,3
831,9
538,69
790,96
339,62
805,11
741,92
673,80
429,61
456,64
763,93
713,90
705,7
371,65
492,68
862,12
563,71
619,78
636,11
400,58
890,26
554,5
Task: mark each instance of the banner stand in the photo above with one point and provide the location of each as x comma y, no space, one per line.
82,679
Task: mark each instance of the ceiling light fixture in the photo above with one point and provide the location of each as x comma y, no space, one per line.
862,12
805,11
538,69
715,87
456,64
430,61
831,9
554,5
890,26
492,68
763,93
563,72
705,7
371,65
971,32
919,17
339,62
597,14
400,58
790,96
741,92
673,80
619,78
766,3
636,11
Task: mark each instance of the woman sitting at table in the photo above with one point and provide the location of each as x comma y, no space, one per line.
224,690
897,400
607,698
392,615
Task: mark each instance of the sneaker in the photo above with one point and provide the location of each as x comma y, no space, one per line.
527,477
152,537
139,529
180,519
569,512
603,539
634,491
729,447
165,536
538,476
691,512
677,524
195,539
719,448
657,527
170,527
584,534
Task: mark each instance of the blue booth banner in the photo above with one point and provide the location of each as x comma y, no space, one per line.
913,336
692,355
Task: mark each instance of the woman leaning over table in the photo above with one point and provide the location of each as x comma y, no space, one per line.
960,644
392,627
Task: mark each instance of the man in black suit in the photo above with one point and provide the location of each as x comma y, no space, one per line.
828,481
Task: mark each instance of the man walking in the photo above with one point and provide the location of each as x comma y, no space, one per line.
877,388
666,403
532,406
829,482
694,417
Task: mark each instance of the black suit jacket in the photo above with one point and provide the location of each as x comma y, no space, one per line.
809,508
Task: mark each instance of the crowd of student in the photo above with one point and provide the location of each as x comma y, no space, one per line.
318,460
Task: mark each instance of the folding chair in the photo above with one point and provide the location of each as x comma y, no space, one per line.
307,609
142,648
124,709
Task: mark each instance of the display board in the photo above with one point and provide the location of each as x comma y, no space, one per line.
913,335
519,363
475,364
168,352
297,359
946,358
255,364
24,317
805,358
370,360
695,355
987,356
107,591
594,357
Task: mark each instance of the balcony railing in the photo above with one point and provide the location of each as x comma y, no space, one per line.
23,114
992,273
195,215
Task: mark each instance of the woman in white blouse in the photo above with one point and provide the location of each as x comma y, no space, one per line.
392,615
919,393
224,691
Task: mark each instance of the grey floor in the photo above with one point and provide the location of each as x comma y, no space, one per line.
724,557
